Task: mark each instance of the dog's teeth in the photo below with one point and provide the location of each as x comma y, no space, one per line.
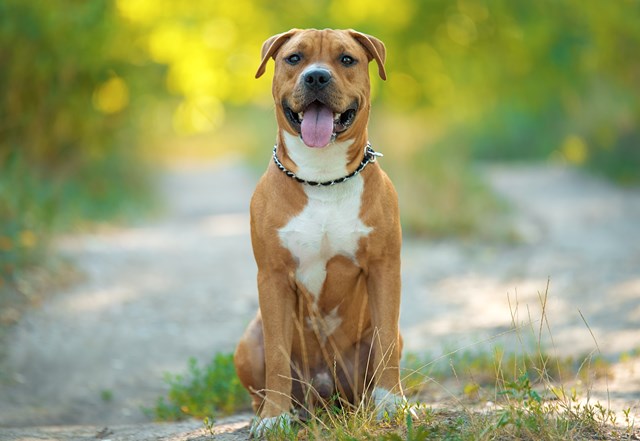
336,116
300,116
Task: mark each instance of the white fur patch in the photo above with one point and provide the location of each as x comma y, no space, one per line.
259,426
387,403
329,224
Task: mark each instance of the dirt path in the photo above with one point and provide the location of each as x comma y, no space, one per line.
156,294
577,232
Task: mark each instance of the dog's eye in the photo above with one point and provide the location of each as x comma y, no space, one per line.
347,60
293,59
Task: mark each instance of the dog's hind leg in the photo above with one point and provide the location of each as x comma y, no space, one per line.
249,362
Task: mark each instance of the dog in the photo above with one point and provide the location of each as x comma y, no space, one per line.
325,231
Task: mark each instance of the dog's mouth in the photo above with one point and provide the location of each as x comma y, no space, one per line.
318,124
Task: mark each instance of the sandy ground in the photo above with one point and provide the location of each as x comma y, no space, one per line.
155,294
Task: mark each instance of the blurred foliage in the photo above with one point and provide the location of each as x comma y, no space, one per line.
90,89
506,79
468,79
68,121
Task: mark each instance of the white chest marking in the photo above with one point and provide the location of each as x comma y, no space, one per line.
330,224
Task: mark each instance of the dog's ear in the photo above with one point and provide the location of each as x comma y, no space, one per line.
375,49
270,48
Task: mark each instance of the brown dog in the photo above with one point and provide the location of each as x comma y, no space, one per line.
326,237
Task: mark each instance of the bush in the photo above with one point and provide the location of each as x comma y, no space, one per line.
71,84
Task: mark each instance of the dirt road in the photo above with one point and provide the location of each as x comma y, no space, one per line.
155,294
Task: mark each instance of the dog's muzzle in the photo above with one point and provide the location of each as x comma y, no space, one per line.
318,123
318,119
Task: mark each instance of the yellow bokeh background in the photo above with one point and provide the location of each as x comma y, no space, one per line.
112,96
96,94
496,71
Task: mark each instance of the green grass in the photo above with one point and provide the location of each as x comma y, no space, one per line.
518,419
203,392
519,409
529,394
513,397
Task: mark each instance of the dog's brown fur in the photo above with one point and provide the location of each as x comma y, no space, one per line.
280,351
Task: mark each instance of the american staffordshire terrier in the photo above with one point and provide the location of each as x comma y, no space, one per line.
326,237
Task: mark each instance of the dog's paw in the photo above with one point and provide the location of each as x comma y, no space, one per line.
260,426
388,404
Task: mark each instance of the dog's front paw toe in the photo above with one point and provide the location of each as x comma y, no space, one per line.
387,404
260,426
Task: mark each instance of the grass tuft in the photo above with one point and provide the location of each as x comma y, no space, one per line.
495,395
204,392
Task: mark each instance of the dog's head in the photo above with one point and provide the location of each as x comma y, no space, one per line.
321,82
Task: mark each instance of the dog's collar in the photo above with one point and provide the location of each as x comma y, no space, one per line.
370,155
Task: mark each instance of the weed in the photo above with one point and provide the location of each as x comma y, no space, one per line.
484,368
204,392
106,395
515,396
209,424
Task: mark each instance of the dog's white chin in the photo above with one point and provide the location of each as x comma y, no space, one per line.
317,164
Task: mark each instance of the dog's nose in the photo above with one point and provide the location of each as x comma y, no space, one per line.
316,79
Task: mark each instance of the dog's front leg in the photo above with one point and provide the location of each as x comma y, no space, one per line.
277,303
383,284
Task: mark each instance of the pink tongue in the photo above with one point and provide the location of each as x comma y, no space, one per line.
317,125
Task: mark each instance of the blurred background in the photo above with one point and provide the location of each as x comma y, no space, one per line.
102,101
96,96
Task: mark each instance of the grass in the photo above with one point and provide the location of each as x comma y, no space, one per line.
525,395
524,417
519,409
204,392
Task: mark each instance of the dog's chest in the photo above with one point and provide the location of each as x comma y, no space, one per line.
329,225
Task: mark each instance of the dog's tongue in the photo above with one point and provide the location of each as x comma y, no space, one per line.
317,125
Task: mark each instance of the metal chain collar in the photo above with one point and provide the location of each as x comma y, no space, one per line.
370,155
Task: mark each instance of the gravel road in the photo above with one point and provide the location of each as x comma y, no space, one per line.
153,295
